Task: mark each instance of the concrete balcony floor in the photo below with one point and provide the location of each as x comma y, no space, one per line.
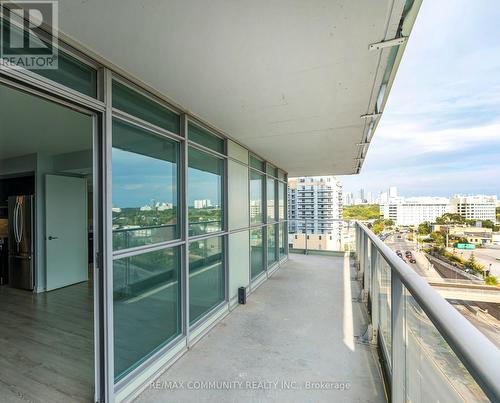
297,327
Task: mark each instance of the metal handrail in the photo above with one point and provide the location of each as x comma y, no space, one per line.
478,354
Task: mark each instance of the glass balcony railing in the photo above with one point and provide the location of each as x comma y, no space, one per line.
431,353
428,350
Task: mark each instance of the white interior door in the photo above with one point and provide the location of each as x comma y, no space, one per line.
66,235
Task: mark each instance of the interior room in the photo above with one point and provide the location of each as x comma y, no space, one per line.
46,255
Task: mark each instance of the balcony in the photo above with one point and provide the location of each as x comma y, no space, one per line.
283,335
358,325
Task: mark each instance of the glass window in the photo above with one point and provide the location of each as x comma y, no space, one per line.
205,176
271,170
206,276
271,245
281,175
70,71
146,296
281,200
256,252
256,195
282,240
271,198
257,163
145,172
205,138
133,103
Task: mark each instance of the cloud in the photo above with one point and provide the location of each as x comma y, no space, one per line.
440,132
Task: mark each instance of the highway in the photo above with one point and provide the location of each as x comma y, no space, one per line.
485,316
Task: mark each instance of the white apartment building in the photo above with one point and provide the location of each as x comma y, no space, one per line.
202,203
477,207
315,201
414,210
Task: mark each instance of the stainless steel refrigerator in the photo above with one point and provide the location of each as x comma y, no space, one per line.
21,242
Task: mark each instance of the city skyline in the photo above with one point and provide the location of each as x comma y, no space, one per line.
440,132
372,197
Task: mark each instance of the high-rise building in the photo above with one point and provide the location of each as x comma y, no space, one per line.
393,191
362,195
347,199
477,207
204,203
313,202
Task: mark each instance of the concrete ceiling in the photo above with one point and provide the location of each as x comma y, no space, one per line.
288,79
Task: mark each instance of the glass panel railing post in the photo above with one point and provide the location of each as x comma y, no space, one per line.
366,270
374,296
398,340
305,235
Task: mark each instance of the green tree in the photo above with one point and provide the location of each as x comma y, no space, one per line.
378,227
425,228
490,224
473,265
361,212
450,218
491,280
437,238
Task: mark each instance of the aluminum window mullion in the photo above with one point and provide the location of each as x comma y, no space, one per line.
205,149
185,228
51,90
108,244
134,120
123,253
206,236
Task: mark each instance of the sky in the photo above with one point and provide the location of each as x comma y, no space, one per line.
440,130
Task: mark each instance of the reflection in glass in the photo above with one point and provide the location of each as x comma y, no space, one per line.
146,305
281,200
256,252
144,187
282,240
256,195
206,276
205,175
271,200
271,245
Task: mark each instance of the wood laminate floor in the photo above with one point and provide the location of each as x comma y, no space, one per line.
47,345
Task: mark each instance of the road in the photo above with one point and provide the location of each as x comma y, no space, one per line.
485,316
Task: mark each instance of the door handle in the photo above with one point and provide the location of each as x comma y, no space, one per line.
50,238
